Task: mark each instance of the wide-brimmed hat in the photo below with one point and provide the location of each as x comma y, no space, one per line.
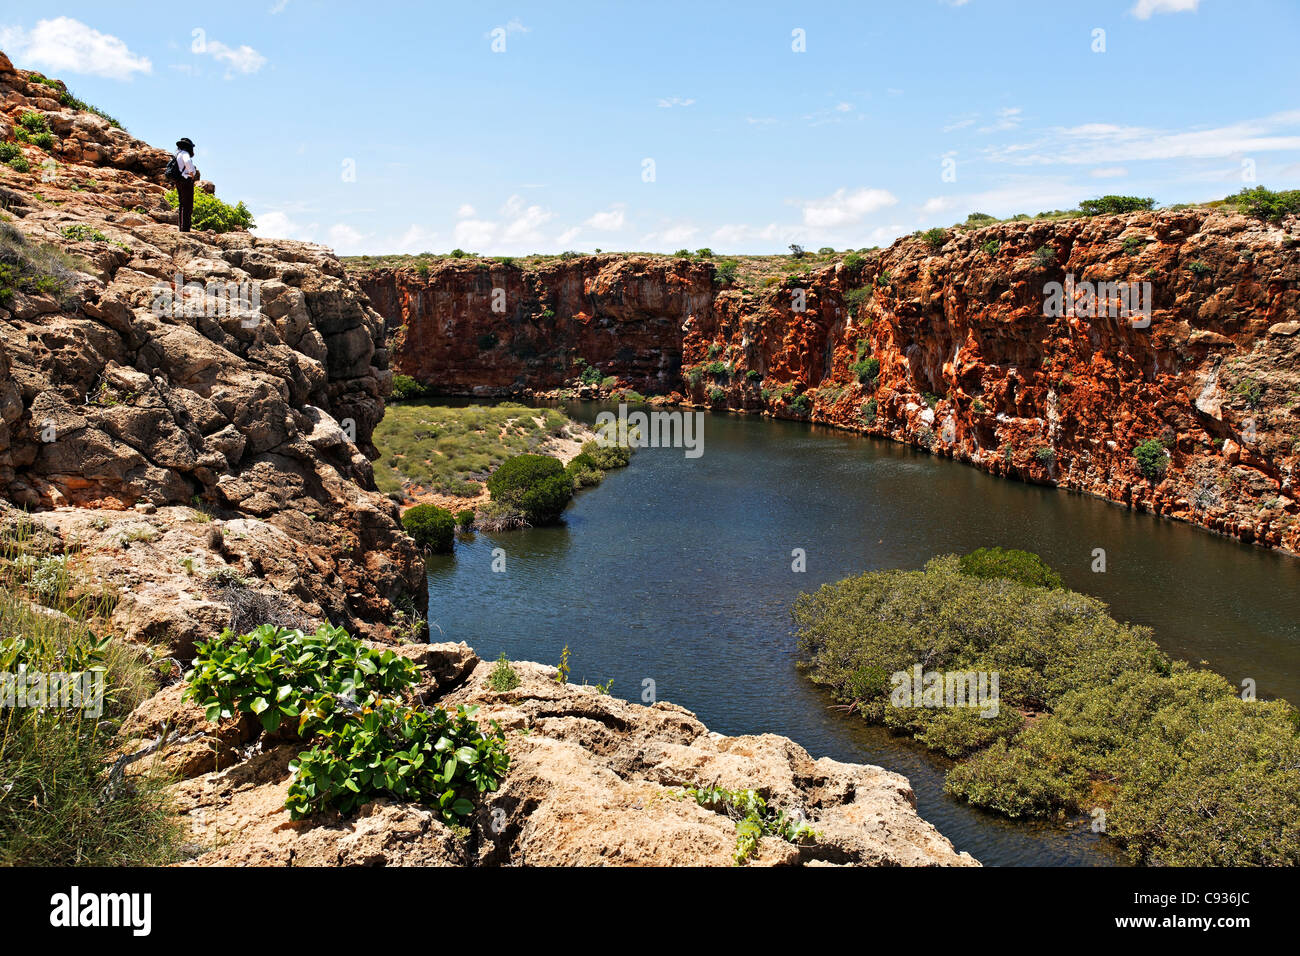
186,144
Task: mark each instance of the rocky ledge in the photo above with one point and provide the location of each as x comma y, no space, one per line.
593,780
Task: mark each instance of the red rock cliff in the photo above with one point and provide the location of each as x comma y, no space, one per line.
970,366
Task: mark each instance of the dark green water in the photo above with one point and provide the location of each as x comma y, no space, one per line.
679,570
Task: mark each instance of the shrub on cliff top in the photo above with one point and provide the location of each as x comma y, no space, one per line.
1110,204
535,484
213,215
433,528
935,238
1268,205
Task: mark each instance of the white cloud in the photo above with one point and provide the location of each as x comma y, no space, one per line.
1007,118
674,236
965,121
609,221
520,223
345,240
672,101
843,107
1108,172
1144,9
568,236
242,59
733,234
1108,143
414,240
524,221
760,120
843,208
278,7
64,45
473,234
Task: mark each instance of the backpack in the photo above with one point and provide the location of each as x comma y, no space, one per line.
173,171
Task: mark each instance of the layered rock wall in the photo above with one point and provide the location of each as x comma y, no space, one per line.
969,364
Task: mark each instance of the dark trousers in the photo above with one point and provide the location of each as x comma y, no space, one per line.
185,193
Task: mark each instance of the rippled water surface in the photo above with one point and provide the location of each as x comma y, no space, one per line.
679,570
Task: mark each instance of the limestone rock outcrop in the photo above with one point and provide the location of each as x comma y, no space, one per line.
192,408
594,780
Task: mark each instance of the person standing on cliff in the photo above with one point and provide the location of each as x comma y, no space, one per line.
185,175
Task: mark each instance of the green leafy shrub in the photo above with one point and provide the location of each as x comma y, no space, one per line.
348,699
502,676
935,238
428,756
1111,204
19,164
433,528
1151,458
80,232
535,484
1045,257
43,139
870,409
406,388
8,151
724,273
213,215
608,457
278,674
1023,567
754,819
801,405
867,370
1268,205
1250,391
465,518
992,246
33,122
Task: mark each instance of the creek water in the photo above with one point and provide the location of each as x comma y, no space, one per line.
679,570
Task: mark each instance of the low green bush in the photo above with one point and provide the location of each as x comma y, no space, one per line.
1151,458
213,215
406,388
433,528
1268,205
1111,204
535,484
1023,567
1187,771
351,702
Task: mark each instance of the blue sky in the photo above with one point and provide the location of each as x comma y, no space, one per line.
396,127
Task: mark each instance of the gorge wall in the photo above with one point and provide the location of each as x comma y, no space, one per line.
970,366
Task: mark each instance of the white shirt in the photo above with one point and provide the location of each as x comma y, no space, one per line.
185,164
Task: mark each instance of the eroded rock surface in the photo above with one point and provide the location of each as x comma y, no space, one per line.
593,780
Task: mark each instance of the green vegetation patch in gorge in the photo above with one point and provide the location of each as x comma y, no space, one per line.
452,449
1093,719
